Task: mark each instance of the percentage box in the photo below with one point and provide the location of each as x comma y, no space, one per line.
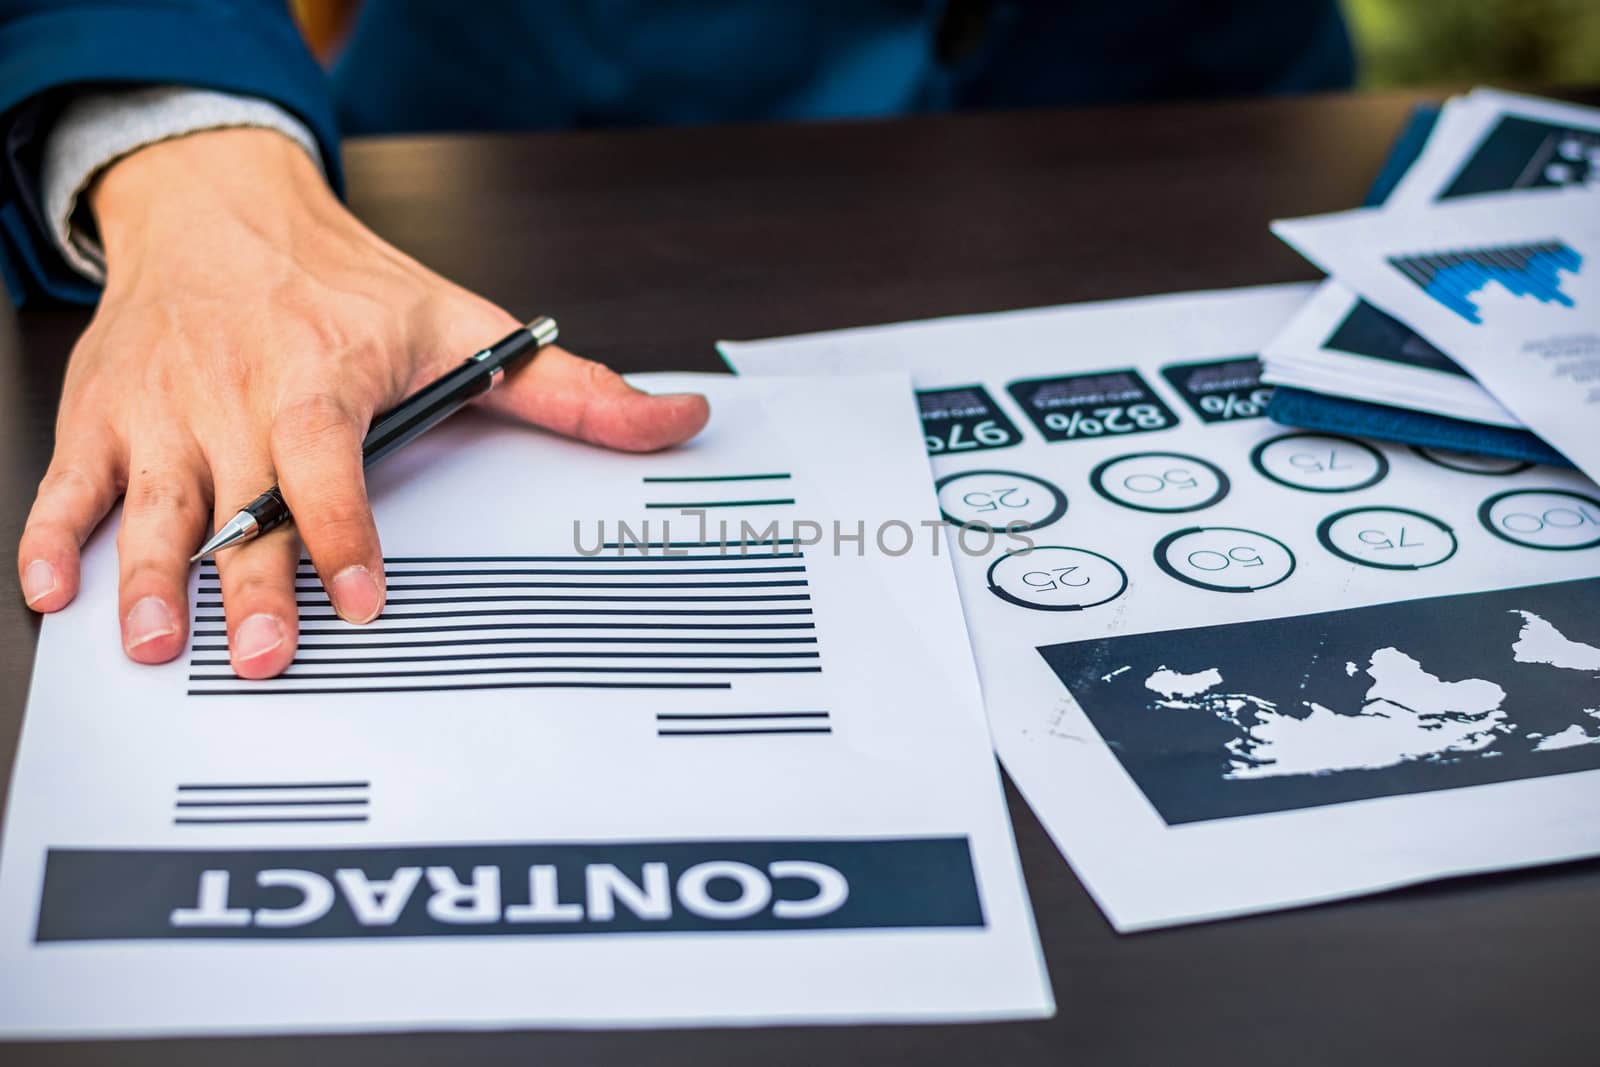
964,418
1090,407
1221,390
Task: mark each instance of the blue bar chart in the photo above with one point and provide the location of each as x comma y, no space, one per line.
1524,270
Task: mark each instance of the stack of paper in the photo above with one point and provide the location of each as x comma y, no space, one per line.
699,738
1496,206
1234,666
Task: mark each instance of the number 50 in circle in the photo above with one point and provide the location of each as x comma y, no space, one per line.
1224,559
1056,578
1160,481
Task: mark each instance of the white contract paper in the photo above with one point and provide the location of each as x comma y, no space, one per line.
1244,667
732,777
1508,285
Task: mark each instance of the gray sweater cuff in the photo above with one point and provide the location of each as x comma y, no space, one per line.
98,129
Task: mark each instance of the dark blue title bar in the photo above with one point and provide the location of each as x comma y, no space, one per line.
508,890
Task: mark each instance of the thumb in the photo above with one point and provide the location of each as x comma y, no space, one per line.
580,398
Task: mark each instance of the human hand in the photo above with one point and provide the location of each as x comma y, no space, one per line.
250,329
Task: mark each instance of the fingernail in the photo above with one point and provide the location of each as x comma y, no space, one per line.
150,619
38,581
256,636
355,595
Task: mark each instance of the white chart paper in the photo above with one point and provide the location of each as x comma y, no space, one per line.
1387,363
1483,144
554,785
1245,667
1508,285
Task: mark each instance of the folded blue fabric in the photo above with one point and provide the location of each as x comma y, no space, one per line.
1318,411
1339,414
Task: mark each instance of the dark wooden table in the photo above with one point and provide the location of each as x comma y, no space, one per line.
650,245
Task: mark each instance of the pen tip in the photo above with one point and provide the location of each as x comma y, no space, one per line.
242,527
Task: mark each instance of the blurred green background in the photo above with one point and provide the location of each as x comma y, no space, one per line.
1520,43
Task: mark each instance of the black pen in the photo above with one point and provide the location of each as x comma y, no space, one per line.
401,424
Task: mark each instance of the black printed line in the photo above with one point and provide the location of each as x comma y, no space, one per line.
723,545
721,478
397,582
257,786
572,640
271,803
586,599
209,573
787,582
494,612
445,657
723,715
574,560
398,585
651,565
251,691
579,558
685,504
193,820
753,730
492,564
740,584
600,579
350,631
208,567
525,598
359,645
788,568
573,628
612,626
453,672
740,613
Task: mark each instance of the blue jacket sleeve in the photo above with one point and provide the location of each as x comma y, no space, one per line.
48,48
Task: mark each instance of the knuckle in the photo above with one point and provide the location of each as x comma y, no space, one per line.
472,319
312,420
353,339
248,590
83,401
329,335
41,537
71,481
598,377
340,525
155,496
595,383
353,320
45,527
143,568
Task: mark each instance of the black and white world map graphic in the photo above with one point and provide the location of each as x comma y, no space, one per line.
1279,714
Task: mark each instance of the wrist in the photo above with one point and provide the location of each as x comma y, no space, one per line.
186,181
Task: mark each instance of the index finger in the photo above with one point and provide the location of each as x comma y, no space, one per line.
316,448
